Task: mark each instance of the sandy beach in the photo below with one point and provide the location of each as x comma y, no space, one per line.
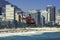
13,30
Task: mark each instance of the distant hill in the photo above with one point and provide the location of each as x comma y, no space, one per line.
3,3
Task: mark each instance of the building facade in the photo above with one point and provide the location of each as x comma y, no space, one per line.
10,12
58,17
44,14
51,14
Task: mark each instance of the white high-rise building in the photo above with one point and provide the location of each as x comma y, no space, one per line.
10,12
51,14
58,17
44,13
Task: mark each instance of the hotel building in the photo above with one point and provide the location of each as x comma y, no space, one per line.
51,18
10,12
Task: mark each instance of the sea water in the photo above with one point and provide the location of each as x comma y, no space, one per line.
40,35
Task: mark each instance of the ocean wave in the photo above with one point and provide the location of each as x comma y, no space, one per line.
31,33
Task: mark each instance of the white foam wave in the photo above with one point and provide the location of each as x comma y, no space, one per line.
24,33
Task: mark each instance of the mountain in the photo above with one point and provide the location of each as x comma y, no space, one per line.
4,2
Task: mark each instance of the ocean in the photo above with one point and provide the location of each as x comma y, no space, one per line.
31,36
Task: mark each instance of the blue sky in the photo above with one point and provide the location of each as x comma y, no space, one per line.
35,4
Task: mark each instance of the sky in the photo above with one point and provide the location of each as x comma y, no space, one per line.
26,5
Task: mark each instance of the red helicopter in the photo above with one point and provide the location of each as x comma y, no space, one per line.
29,20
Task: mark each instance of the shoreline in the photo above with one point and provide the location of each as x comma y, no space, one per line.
31,33
13,30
